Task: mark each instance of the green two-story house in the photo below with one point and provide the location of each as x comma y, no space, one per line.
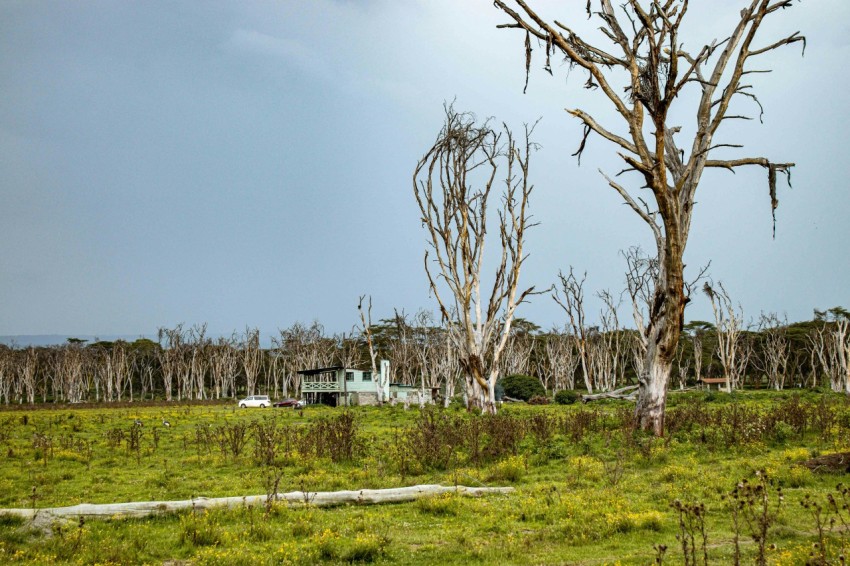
340,386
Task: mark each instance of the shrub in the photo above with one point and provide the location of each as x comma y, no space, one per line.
522,387
200,529
445,504
538,400
566,397
512,469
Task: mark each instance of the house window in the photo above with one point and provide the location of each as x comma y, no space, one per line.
349,376
367,376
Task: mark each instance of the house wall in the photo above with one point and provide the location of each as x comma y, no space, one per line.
358,384
364,398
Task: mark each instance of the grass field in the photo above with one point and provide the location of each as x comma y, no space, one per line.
590,489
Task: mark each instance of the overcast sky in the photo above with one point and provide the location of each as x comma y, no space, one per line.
250,163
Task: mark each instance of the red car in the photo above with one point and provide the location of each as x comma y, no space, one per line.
294,403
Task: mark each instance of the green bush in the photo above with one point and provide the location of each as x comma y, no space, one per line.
522,387
566,397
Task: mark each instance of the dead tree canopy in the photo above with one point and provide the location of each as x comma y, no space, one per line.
640,65
453,183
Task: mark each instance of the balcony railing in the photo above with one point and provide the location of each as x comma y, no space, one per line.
319,386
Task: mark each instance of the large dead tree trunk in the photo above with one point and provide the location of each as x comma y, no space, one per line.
46,516
452,185
647,51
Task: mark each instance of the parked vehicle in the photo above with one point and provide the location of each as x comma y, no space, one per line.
261,401
294,403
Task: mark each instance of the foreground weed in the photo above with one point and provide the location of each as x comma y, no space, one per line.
200,529
832,520
755,505
692,534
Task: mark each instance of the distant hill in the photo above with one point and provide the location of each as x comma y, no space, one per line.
25,340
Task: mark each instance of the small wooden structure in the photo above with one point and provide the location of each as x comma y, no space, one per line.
721,382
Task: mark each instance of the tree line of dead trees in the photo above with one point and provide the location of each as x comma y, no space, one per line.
187,364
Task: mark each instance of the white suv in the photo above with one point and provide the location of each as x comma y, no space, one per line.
261,401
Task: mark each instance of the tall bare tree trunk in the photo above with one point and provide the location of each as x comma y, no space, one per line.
666,319
641,66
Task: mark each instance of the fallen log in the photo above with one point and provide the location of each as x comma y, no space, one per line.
838,463
292,499
628,393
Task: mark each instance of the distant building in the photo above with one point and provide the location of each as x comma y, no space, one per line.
340,386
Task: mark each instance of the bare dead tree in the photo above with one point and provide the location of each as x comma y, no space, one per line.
562,359
222,364
347,350
402,349
199,361
614,337
366,329
697,343
452,184
444,365
816,342
305,347
571,299
6,374
641,273
28,370
642,51
516,358
696,333
251,357
144,366
832,345
775,351
427,344
171,340
122,367
731,348
683,373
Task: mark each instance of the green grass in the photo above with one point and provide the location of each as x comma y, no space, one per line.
589,488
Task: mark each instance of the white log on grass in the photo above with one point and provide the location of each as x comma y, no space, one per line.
629,393
292,499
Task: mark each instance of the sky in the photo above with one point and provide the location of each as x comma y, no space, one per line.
249,164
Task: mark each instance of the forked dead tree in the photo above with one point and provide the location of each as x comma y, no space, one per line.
366,319
251,357
731,349
571,299
452,184
561,359
640,67
775,351
832,345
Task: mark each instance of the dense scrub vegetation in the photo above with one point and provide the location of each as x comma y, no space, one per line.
591,488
